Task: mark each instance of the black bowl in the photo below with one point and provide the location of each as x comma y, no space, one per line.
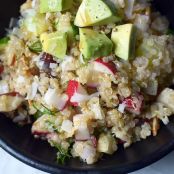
20,143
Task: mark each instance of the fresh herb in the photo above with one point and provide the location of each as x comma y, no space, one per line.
42,111
51,126
35,47
170,31
3,42
62,154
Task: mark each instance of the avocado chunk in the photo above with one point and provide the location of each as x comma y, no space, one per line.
94,44
35,23
55,5
66,25
92,13
124,37
54,43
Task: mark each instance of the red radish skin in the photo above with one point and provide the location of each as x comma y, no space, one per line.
94,141
71,89
109,65
1,69
12,94
134,103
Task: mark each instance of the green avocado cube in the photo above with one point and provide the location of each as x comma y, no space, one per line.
65,25
94,12
55,5
35,23
94,44
54,44
124,38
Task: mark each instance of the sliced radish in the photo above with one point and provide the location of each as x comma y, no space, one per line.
62,102
104,67
53,99
134,104
82,134
67,126
1,69
75,92
94,141
33,91
81,127
38,134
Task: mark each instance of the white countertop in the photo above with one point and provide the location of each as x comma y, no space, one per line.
10,165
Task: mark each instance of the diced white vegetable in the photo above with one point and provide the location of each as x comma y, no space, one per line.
167,98
67,126
4,88
88,154
33,91
121,107
10,103
86,151
67,64
53,65
106,144
53,99
21,79
94,105
81,127
82,133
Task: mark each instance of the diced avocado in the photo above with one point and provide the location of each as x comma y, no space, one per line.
94,44
65,25
54,44
3,43
124,37
55,5
92,13
106,144
35,23
35,47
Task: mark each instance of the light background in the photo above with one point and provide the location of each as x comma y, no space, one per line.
10,165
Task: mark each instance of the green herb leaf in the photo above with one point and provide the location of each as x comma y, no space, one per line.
62,154
36,47
42,110
51,126
4,42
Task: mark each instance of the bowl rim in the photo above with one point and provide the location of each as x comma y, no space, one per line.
43,166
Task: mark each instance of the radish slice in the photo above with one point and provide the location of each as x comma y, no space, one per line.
104,67
53,99
134,104
1,69
62,102
121,107
33,91
82,134
4,88
75,92
67,126
81,127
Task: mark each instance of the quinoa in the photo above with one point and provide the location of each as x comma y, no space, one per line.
75,106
